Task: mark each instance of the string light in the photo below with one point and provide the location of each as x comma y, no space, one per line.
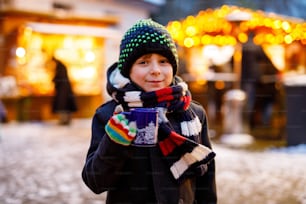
208,25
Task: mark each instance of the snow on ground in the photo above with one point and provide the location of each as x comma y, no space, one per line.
270,176
41,163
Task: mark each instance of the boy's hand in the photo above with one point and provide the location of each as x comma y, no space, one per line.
120,130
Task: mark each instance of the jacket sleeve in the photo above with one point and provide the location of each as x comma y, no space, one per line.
206,192
105,159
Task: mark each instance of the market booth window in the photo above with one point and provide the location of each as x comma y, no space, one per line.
80,48
78,52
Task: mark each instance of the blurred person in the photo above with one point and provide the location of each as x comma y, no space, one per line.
215,94
63,102
180,168
266,91
250,75
3,113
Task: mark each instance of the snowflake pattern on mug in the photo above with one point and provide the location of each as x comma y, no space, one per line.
147,135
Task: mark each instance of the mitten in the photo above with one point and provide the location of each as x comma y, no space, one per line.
120,130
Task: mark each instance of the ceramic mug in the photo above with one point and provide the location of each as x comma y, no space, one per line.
147,126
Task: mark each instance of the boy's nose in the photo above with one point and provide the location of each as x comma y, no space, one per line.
155,67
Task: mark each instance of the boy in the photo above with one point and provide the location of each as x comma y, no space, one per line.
145,76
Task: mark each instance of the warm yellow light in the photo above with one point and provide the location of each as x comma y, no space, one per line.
230,40
191,31
219,85
180,36
210,23
224,10
20,52
196,40
238,56
279,39
286,26
27,32
188,42
88,72
68,42
35,43
22,61
226,28
258,39
242,37
176,25
190,20
288,39
243,26
85,43
201,82
219,40
268,38
267,22
277,24
90,56
276,54
206,39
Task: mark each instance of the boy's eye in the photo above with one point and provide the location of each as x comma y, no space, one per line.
164,61
142,62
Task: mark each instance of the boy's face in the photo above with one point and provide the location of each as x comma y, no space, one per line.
152,72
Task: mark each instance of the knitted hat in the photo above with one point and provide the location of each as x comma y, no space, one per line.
145,37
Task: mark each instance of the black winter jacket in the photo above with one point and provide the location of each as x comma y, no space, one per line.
134,175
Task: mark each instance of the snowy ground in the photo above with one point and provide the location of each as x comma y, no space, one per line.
41,163
261,177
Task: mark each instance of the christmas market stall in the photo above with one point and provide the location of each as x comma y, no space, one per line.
29,40
236,48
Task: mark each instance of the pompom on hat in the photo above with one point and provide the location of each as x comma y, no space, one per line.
144,37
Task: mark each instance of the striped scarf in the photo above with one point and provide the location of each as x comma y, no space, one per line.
183,154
